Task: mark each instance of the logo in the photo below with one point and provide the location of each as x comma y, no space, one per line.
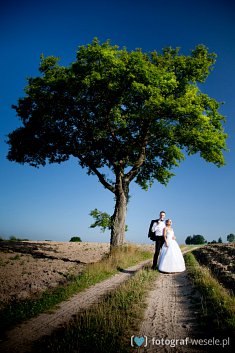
139,341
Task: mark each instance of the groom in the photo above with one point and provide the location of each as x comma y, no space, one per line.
156,234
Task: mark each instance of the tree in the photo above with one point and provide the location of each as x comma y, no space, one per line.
188,240
220,240
231,238
75,239
132,114
198,239
195,239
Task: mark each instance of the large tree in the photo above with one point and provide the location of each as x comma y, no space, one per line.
131,113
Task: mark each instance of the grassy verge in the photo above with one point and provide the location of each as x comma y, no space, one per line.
217,310
184,247
124,257
107,326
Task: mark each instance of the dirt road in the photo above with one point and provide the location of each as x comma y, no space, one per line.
170,315
20,339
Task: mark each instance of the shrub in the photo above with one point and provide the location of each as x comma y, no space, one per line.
74,239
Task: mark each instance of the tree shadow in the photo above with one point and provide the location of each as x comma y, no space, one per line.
36,250
123,270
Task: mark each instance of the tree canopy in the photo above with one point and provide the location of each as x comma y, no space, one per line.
231,238
130,113
195,239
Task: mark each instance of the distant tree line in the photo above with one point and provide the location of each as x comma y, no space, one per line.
199,239
12,238
195,239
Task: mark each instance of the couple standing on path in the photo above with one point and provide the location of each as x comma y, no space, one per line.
171,258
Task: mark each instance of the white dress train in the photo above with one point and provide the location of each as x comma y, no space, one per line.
171,258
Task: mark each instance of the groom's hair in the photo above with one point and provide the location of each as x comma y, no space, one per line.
162,212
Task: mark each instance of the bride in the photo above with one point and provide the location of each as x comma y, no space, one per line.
171,258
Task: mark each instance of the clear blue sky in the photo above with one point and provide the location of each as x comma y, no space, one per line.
54,202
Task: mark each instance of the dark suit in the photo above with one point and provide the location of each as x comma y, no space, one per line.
159,241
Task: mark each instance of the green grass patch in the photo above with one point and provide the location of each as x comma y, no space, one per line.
123,257
217,310
106,326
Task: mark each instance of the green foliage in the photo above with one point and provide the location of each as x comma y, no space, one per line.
195,239
130,111
231,238
188,240
14,238
220,240
75,239
102,220
125,115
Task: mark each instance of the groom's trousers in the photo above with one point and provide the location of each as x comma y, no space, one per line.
158,245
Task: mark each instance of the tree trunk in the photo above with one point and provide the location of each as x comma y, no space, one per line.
119,216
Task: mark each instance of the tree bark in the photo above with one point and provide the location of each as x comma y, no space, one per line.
119,216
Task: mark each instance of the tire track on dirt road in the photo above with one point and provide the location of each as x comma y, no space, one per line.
170,315
20,339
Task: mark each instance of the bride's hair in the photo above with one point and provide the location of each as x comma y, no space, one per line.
168,221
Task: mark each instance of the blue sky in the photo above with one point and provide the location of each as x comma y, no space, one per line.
54,202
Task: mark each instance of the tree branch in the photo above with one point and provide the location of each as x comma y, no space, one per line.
103,180
134,171
100,175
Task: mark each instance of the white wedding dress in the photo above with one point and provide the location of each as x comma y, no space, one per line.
171,258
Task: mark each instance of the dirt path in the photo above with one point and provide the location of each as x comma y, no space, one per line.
20,339
170,316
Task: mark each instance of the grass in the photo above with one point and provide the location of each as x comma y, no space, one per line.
106,326
217,305
123,257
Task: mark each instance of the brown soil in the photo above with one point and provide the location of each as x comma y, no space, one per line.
220,259
28,268
170,315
